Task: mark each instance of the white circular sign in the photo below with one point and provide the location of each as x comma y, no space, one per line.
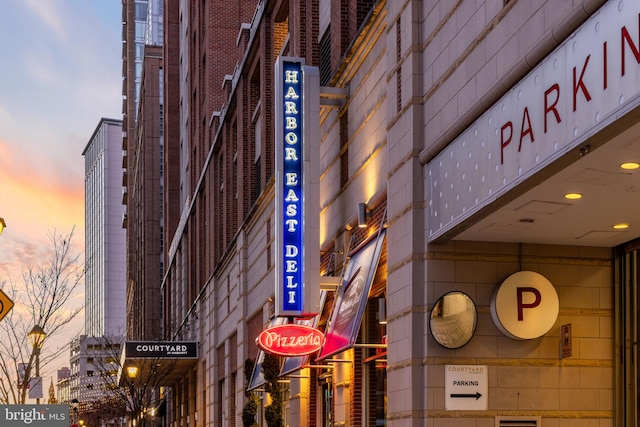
525,305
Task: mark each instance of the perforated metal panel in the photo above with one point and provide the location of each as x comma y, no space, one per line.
536,123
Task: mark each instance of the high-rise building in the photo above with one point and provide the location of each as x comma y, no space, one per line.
104,236
142,145
105,268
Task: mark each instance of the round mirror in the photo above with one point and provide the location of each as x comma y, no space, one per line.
453,319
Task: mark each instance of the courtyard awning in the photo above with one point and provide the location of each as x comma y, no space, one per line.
163,363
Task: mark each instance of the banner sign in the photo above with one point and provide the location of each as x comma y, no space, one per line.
22,373
34,415
347,312
35,388
297,188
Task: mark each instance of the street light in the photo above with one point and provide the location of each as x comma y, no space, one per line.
3,225
132,371
37,336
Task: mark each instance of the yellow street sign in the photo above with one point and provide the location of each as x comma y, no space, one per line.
5,304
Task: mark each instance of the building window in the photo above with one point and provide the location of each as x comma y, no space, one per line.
363,8
268,243
325,58
256,175
344,149
327,402
141,11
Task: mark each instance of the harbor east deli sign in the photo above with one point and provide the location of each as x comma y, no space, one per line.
297,286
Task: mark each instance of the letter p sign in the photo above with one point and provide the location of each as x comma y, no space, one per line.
522,305
525,306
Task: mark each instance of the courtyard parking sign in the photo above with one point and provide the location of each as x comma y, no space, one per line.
466,387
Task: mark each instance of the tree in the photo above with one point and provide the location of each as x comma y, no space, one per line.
42,297
132,394
271,370
250,409
107,411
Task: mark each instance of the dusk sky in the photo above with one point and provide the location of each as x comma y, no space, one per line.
60,73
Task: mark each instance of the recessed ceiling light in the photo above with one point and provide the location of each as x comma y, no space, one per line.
630,165
573,196
620,226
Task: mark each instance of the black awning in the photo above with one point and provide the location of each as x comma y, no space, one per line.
163,362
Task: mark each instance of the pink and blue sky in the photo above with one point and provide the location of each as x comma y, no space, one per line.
60,72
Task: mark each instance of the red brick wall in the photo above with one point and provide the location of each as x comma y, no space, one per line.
143,229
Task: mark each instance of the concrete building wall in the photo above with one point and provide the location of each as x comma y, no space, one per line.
529,377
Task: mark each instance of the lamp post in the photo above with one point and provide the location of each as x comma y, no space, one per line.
37,336
74,406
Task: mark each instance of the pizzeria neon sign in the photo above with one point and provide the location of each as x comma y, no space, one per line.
290,340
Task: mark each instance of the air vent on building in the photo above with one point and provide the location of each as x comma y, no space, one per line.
518,422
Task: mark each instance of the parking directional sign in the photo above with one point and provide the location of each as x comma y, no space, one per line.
466,388
5,304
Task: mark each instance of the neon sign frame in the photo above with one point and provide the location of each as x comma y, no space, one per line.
297,110
290,340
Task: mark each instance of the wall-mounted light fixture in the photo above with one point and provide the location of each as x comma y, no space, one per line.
382,311
363,215
3,225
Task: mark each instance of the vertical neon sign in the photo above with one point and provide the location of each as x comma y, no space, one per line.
293,146
297,237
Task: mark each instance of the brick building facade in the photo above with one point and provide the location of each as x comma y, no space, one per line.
429,112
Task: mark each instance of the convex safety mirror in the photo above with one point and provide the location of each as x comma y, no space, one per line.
453,319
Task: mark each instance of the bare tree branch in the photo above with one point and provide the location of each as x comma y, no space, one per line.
42,297
136,395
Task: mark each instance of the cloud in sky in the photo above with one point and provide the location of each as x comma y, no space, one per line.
60,73
47,11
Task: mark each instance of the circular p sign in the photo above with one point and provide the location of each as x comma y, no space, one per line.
525,305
